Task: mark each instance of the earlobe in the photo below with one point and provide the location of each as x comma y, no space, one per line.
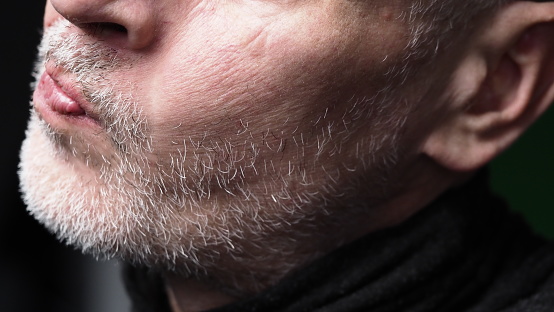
497,99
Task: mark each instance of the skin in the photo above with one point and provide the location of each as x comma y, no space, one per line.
229,143
216,140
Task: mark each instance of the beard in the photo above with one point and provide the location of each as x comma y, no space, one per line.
193,209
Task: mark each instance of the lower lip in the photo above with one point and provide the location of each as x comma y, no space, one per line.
56,107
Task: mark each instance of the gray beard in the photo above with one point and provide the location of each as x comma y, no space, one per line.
194,211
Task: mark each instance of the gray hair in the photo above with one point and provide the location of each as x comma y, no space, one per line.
432,22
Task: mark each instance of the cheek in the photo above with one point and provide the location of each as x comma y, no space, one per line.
200,76
218,87
217,79
224,98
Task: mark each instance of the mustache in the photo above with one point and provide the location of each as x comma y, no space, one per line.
78,53
90,62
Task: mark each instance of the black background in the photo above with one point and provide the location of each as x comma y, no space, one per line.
37,273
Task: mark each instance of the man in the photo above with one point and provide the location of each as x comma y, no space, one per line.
292,155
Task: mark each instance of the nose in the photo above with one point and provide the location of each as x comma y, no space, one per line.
129,23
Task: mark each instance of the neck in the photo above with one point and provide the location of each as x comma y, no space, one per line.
232,280
192,295
243,279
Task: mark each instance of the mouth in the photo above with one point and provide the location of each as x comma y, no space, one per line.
59,101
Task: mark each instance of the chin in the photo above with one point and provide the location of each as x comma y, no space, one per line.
110,217
56,191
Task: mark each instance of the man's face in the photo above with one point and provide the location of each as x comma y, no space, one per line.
233,124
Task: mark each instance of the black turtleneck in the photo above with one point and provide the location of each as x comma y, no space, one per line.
465,252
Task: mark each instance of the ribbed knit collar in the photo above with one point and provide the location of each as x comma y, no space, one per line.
465,252
461,253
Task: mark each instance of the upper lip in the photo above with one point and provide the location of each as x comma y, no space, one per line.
68,85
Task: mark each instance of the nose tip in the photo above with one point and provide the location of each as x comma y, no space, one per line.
129,23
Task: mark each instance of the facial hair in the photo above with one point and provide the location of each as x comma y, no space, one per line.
191,210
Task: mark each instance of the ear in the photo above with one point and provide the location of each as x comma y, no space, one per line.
502,84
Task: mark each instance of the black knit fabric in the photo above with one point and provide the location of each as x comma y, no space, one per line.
465,252
146,289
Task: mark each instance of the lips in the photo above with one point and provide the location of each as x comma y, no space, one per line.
59,101
56,98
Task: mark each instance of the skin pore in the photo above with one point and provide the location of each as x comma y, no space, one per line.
220,138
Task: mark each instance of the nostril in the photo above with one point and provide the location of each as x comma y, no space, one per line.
105,30
114,27
121,24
